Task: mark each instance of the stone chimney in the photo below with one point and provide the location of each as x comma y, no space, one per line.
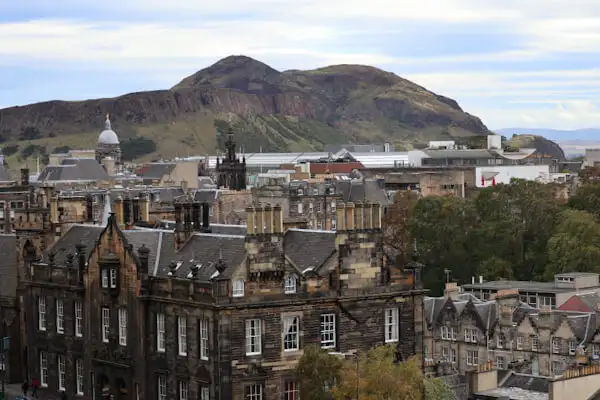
119,211
81,248
54,209
452,290
196,216
259,219
359,216
144,255
145,208
368,213
268,218
206,217
89,208
340,214
250,222
376,215
24,176
277,219
349,216
178,212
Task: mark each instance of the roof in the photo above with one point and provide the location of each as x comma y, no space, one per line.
155,170
108,136
74,169
308,248
334,168
362,190
8,267
548,287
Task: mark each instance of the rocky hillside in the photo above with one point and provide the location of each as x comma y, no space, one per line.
273,110
541,144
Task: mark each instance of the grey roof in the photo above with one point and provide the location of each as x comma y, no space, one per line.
224,229
74,169
77,234
367,190
206,195
359,148
462,154
547,287
8,267
155,170
308,248
526,382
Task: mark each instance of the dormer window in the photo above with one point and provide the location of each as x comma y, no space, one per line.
238,288
300,192
290,284
109,278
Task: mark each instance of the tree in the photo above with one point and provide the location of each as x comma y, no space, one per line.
587,198
397,239
377,377
575,246
316,372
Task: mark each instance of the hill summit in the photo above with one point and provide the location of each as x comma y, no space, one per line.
271,110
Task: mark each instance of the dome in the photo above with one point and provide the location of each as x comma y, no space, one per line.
108,136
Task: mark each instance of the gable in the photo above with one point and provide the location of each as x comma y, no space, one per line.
575,304
525,327
564,331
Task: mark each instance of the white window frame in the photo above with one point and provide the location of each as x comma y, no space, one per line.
253,337
572,347
79,372
123,326
555,345
452,333
61,372
291,390
291,333
472,357
160,332
445,354
43,369
42,313
78,319
237,289
500,362
104,274
113,278
203,328
184,390
182,335
105,324
60,316
534,343
300,208
328,331
519,342
162,387
289,284
204,393
254,392
453,356
392,330
500,341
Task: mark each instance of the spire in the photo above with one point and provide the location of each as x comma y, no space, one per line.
107,123
107,210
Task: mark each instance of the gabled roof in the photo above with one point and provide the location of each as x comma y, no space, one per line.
308,248
74,169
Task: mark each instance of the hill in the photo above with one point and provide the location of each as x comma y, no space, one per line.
541,144
270,110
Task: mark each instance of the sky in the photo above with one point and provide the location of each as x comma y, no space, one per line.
513,63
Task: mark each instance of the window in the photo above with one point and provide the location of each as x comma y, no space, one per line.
500,341
182,329
162,387
596,350
453,356
254,392
328,331
61,373
291,391
557,368
448,333
113,278
203,339
183,390
391,325
290,333
534,343
105,278
205,393
105,324
253,337
160,332
123,326
238,288
472,357
79,370
42,313
555,345
78,319
445,354
519,342
500,362
43,369
299,208
60,316
290,284
572,347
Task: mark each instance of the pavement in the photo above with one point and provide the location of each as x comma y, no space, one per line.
13,391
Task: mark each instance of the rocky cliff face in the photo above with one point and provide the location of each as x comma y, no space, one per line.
291,110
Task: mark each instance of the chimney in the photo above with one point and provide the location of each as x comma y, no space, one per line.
452,290
268,218
339,216
359,216
376,215
196,216
89,208
145,208
178,212
260,221
349,216
24,176
250,214
53,209
206,217
368,213
82,260
480,279
135,214
277,219
119,211
126,211
184,186
144,255
187,217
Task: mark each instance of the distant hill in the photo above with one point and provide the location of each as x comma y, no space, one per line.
271,110
554,134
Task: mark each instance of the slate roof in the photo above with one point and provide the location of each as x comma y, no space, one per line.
206,195
74,169
366,190
308,248
8,267
77,234
155,170
526,382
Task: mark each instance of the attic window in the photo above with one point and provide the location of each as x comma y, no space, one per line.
238,288
290,284
109,278
300,192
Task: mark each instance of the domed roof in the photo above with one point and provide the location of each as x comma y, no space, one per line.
108,136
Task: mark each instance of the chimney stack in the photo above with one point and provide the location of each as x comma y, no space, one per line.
145,208
119,211
144,255
349,216
368,214
376,215
24,176
250,220
135,210
89,208
178,212
82,260
277,219
260,219
340,217
187,218
358,214
206,217
196,216
268,218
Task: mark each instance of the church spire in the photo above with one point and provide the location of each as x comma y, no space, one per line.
230,145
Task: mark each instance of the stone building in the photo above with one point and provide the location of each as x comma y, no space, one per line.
463,332
231,172
193,314
108,144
